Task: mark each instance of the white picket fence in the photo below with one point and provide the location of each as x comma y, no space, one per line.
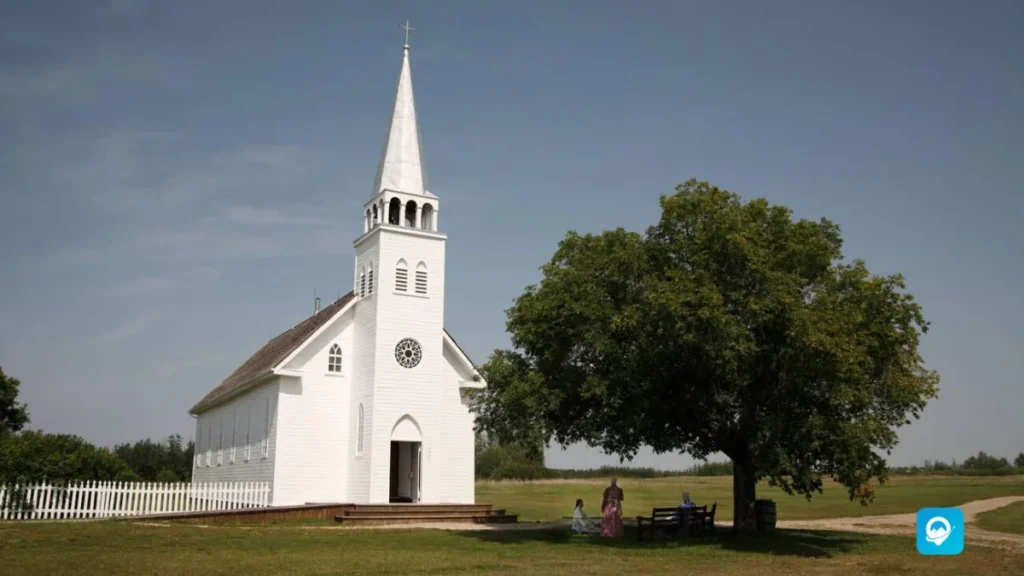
83,500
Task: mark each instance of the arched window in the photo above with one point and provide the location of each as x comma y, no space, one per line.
427,219
362,282
421,278
401,277
394,211
248,431
375,215
265,447
359,431
410,214
334,359
369,280
220,443
234,434
366,221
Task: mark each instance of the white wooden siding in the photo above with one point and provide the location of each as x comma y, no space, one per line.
363,369
314,416
397,390
456,464
257,469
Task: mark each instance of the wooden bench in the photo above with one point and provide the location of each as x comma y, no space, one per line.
670,521
706,522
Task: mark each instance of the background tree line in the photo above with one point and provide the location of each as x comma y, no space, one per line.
497,461
37,456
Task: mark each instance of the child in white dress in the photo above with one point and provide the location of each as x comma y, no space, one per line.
581,523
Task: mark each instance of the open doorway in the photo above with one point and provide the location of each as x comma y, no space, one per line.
405,472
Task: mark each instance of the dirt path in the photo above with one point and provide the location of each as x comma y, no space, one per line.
904,524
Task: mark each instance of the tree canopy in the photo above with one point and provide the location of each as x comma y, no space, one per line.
986,462
728,327
34,456
13,416
169,461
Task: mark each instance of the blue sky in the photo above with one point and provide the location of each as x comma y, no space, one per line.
178,177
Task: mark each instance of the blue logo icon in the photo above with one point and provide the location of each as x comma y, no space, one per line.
940,531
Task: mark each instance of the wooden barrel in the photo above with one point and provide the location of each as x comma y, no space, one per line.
764,515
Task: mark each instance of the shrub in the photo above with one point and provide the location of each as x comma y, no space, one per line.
166,475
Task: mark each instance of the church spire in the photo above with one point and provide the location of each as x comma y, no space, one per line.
401,163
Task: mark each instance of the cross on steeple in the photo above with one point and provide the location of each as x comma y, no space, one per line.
407,30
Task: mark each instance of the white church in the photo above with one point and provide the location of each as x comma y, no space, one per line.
366,401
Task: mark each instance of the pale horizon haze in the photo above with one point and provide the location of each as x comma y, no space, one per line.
178,178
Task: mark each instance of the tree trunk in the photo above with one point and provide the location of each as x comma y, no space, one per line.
743,496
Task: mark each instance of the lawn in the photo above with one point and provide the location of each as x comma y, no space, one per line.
128,548
552,499
1007,519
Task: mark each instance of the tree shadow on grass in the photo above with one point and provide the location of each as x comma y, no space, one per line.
803,543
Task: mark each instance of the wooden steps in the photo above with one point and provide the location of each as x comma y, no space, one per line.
382,514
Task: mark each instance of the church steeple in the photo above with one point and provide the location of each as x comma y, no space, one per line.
400,197
401,163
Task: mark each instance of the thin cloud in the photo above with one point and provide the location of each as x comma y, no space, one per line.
132,326
162,200
331,242
127,7
79,79
149,286
296,216
288,157
169,369
138,287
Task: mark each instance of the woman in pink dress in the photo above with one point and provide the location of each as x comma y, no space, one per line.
611,511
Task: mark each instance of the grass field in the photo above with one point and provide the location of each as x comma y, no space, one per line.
552,499
130,548
126,548
1009,519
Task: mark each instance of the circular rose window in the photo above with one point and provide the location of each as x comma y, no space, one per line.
408,353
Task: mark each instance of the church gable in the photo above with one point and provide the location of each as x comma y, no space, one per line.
327,351
273,353
458,362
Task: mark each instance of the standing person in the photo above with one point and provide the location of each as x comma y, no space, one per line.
611,511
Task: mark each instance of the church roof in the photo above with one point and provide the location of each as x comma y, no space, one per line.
401,163
271,354
276,350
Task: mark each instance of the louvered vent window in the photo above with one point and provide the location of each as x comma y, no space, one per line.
401,280
362,284
370,282
421,281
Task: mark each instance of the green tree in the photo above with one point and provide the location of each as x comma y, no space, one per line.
166,475
147,458
33,456
13,416
728,327
515,460
1019,460
985,462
